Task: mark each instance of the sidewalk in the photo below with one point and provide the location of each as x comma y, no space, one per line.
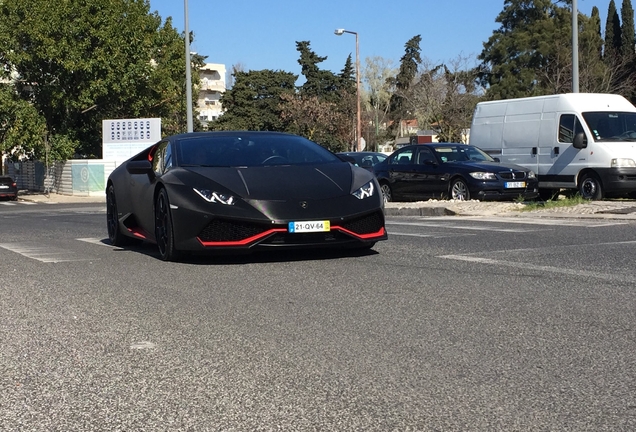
609,209
59,198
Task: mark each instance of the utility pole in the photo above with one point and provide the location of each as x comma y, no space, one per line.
188,71
575,47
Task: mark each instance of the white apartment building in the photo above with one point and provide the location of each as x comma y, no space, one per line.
211,87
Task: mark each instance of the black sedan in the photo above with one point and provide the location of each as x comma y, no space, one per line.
231,191
455,171
8,188
364,159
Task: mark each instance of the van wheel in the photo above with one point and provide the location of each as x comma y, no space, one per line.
459,190
590,187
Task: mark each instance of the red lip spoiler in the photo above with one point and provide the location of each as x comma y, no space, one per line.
256,237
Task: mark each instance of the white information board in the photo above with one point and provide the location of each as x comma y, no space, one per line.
124,138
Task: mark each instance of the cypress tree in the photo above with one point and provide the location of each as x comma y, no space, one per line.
612,31
627,29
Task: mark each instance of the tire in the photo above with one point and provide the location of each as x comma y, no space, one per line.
590,187
115,235
459,190
386,192
164,234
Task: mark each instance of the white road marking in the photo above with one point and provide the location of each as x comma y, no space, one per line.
461,227
46,254
98,241
524,220
429,235
544,268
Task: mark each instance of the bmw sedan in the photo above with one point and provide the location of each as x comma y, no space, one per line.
231,191
455,171
8,188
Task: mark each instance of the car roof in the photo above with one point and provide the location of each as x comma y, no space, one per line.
226,133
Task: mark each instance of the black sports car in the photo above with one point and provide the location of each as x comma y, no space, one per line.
363,159
456,171
211,191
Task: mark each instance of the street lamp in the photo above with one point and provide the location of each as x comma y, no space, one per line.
339,32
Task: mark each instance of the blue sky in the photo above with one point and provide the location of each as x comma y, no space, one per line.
260,34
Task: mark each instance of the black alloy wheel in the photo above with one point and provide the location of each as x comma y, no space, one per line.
590,187
116,237
163,228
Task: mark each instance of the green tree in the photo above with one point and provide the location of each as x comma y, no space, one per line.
627,29
82,61
401,106
612,32
21,127
531,53
254,101
323,91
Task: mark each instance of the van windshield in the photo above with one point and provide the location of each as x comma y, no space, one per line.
611,126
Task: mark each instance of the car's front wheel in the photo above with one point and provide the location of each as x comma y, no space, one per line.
116,237
163,228
459,190
386,192
590,187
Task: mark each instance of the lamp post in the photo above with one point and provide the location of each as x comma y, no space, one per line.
575,47
339,32
188,71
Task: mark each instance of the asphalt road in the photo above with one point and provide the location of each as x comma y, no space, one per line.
454,324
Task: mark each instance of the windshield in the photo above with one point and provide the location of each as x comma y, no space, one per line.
611,126
461,153
245,149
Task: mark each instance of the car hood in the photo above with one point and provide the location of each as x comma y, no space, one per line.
282,182
490,166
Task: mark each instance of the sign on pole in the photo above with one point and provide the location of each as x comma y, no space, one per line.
124,138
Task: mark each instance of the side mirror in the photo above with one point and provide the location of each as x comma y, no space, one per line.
349,159
497,159
139,167
580,141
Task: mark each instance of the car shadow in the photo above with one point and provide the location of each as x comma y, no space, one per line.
249,257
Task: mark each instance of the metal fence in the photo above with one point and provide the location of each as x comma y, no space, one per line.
83,177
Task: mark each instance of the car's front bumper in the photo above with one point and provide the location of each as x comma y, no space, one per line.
495,191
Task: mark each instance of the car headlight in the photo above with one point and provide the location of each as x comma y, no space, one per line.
623,162
531,174
483,175
215,197
365,191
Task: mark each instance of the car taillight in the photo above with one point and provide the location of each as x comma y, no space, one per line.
14,184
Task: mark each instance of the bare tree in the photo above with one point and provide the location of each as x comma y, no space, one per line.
377,75
445,96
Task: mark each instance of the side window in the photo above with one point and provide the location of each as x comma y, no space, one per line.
161,156
425,154
403,158
569,126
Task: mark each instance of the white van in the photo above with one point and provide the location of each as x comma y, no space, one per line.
583,141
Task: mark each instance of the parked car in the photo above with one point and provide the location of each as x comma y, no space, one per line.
242,191
366,160
8,188
451,170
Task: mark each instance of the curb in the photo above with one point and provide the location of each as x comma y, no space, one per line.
419,211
